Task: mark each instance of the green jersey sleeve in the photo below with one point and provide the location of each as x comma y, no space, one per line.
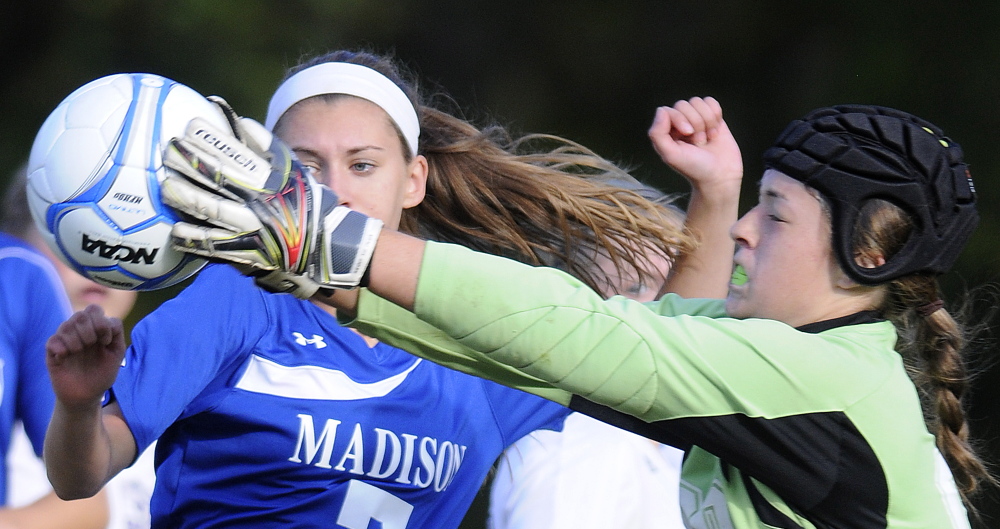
656,361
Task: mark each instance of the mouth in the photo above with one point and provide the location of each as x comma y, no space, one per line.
94,294
739,276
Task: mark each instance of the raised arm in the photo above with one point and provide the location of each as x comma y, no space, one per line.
693,139
86,444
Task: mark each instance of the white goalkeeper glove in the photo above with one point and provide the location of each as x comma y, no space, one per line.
258,208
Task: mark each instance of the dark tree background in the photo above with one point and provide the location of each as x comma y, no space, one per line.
593,71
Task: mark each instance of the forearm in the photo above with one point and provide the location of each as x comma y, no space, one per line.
705,272
50,512
81,451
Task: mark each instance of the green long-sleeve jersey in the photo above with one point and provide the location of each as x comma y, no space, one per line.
811,427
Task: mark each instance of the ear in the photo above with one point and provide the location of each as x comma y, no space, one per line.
865,261
416,185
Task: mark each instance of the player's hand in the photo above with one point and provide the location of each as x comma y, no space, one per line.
693,139
256,207
83,357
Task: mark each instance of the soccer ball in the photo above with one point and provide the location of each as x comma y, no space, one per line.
94,174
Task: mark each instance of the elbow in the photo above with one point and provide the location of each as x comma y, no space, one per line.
68,488
74,492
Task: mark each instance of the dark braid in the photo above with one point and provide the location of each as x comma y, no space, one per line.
933,345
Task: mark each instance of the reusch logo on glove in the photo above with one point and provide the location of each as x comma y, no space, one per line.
242,159
249,169
214,140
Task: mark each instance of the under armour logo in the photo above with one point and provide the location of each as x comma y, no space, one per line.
316,340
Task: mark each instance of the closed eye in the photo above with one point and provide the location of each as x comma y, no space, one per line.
634,289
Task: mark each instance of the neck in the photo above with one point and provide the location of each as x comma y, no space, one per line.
333,312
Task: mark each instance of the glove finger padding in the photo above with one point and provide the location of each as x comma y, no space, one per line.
221,245
260,194
217,160
251,133
204,205
300,231
232,233
270,232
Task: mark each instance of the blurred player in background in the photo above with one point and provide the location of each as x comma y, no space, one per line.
549,479
32,305
129,493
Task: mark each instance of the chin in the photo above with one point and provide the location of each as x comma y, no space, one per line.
736,307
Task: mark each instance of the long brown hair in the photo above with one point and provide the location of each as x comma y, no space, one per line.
539,199
932,341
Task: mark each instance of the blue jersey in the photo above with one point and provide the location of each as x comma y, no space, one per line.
269,413
32,305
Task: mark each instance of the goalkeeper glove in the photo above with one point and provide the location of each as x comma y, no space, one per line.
258,208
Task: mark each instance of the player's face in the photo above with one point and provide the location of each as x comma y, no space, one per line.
629,284
352,147
784,246
82,291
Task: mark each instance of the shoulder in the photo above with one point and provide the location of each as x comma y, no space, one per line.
222,285
18,254
28,277
842,364
218,297
221,274
872,346
518,412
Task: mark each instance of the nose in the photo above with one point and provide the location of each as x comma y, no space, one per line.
740,232
328,178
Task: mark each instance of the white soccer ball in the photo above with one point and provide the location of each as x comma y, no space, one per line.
94,175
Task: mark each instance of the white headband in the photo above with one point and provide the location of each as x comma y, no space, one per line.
350,79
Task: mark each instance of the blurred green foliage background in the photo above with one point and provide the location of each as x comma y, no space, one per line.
593,71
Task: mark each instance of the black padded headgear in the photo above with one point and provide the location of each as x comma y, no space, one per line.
855,153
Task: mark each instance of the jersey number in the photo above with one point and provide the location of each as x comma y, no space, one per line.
364,503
